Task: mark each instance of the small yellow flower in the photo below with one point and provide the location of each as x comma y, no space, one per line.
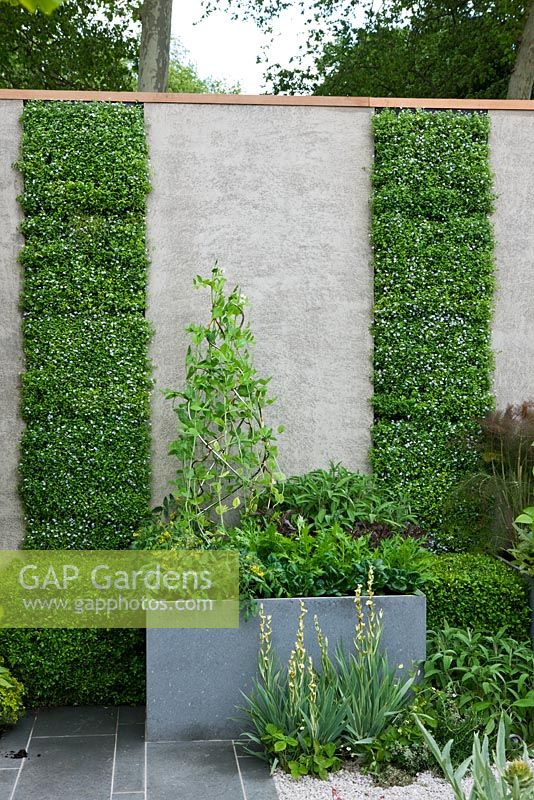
257,571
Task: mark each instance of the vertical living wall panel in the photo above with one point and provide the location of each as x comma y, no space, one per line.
512,161
433,260
279,196
85,450
85,394
11,518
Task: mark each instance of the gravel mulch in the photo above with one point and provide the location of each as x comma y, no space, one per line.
349,784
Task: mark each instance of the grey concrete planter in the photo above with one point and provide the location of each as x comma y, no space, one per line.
195,677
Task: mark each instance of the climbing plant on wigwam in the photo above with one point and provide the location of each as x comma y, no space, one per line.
433,262
85,451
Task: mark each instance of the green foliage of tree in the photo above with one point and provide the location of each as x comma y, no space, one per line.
442,50
46,6
91,44
448,48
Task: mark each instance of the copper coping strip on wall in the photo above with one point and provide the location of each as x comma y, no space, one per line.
269,100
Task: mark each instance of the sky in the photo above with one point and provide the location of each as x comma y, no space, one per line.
224,49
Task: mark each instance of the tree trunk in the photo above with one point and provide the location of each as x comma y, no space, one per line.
155,45
522,77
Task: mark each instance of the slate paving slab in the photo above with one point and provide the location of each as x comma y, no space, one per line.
89,720
257,779
67,767
182,770
7,782
96,753
129,775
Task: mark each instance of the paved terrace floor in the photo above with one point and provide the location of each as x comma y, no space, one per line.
99,753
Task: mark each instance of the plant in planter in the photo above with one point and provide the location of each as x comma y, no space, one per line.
305,716
354,501
323,561
226,452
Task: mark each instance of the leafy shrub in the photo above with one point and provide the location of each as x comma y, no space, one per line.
433,267
523,552
77,667
11,698
323,562
303,716
477,591
493,675
401,750
338,496
470,682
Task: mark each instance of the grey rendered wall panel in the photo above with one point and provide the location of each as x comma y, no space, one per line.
11,364
512,160
280,197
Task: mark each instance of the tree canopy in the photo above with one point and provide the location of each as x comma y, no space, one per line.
92,44
46,6
89,44
417,48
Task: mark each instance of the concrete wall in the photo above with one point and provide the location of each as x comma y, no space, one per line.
512,159
280,197
11,364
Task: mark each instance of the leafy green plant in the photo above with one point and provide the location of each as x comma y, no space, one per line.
303,715
478,592
323,562
402,747
226,452
295,711
433,268
499,780
374,693
11,698
492,675
338,496
523,552
470,681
